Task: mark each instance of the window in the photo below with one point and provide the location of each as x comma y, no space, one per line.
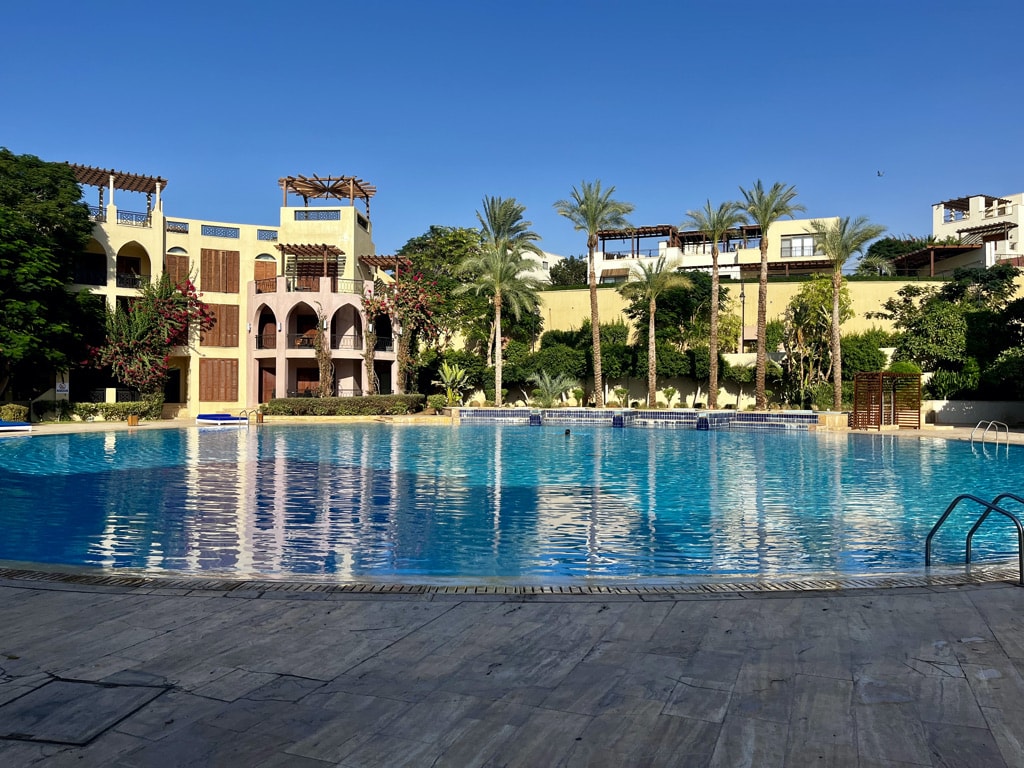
176,265
218,380
265,267
798,247
225,330
219,271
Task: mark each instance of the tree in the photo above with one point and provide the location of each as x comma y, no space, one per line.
438,253
141,333
715,223
550,387
569,273
881,254
764,208
647,282
808,332
502,222
590,210
839,241
454,379
411,303
44,225
499,272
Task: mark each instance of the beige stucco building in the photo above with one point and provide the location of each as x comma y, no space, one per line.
269,287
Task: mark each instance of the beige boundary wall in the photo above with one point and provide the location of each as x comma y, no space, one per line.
566,310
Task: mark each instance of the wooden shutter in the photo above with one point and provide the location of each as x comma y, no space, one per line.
218,380
219,271
264,270
225,328
176,267
209,271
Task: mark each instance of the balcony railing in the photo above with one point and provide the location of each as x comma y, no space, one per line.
304,284
384,344
266,340
128,280
84,276
180,227
301,340
133,219
266,285
347,341
96,213
341,285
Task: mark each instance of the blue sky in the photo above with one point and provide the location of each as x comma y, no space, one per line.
441,103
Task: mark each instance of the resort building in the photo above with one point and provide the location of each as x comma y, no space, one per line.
791,250
269,287
975,231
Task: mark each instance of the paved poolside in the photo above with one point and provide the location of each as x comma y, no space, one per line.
157,676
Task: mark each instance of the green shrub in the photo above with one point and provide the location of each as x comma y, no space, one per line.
437,402
62,408
85,411
13,412
904,366
368,405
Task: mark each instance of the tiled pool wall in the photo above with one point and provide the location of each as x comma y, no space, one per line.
681,418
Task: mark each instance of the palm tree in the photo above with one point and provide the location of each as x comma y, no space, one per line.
839,240
765,208
502,222
715,223
647,283
592,209
499,273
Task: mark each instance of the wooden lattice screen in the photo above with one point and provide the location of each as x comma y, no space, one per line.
886,399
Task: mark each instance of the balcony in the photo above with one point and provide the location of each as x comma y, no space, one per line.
384,344
134,219
85,276
302,340
347,341
178,227
97,214
341,285
266,285
266,340
130,280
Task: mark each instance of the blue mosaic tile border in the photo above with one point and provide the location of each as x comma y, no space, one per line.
678,418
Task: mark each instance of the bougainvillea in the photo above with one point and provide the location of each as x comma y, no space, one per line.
142,332
410,302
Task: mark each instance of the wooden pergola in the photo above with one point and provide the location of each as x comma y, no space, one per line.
327,187
103,179
306,258
676,238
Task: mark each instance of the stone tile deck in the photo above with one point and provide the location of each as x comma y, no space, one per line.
109,675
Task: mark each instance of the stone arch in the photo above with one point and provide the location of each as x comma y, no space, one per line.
347,328
133,265
265,322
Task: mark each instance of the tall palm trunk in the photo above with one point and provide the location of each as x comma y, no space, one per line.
713,352
595,328
837,352
370,339
652,359
497,349
762,327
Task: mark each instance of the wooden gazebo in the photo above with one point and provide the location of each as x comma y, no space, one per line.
104,179
305,264
886,399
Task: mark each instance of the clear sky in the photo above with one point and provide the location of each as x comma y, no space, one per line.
440,103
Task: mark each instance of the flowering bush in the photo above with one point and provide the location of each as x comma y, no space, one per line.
141,334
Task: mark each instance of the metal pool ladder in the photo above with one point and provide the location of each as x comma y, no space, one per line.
990,507
997,426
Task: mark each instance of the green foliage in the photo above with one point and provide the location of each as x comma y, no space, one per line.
141,334
571,272
862,353
775,334
438,253
369,405
454,379
517,364
621,396
550,388
669,393
13,412
987,289
438,401
577,339
700,362
560,360
44,226
903,366
1004,378
954,385
879,257
683,313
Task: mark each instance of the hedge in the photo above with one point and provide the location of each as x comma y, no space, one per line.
13,412
369,405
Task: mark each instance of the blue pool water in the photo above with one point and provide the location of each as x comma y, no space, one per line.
483,504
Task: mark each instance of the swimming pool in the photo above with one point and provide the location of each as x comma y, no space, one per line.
493,504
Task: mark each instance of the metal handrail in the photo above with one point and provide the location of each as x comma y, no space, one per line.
990,506
989,425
